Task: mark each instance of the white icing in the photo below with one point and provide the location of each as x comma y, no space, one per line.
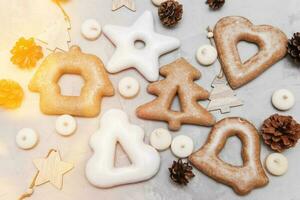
90,29
182,146
115,127
207,55
128,87
27,138
277,164
160,139
283,99
65,125
144,59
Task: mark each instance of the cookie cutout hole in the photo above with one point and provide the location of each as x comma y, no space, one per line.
121,157
247,50
139,44
231,152
175,106
70,85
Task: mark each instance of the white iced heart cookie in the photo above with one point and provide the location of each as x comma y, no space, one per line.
277,164
27,138
90,29
160,139
182,146
207,55
115,127
128,87
128,54
283,99
65,125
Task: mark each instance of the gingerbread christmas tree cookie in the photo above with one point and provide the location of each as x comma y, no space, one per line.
180,77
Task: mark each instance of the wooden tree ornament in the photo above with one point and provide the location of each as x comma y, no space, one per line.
130,4
222,97
180,77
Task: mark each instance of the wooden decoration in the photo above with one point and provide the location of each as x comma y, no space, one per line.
222,97
50,169
130,4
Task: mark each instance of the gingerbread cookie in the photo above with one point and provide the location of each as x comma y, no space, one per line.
90,67
244,178
229,31
180,76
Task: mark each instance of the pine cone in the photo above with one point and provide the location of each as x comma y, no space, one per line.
170,12
280,132
293,47
181,172
215,4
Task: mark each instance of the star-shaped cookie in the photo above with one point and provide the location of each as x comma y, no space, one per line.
128,54
51,169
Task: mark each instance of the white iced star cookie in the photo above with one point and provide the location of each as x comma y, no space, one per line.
128,54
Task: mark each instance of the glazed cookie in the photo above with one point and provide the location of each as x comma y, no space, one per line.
229,31
243,178
283,99
128,54
180,76
115,127
90,29
90,67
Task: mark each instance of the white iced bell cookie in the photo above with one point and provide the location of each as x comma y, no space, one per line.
27,138
283,99
206,54
115,127
277,164
128,87
65,125
90,29
182,146
160,139
128,54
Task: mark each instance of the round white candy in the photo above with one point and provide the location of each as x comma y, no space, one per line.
210,35
91,29
27,138
160,139
65,125
277,164
129,87
182,146
283,99
158,2
207,54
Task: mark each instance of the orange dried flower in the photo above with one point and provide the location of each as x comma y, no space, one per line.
26,53
11,94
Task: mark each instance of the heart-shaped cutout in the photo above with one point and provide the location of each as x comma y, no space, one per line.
229,31
243,178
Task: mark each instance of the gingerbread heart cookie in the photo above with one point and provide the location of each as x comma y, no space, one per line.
229,31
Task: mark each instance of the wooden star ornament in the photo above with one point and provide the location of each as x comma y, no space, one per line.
51,169
130,4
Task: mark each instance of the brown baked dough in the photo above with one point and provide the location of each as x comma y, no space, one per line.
244,178
229,31
90,67
180,76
